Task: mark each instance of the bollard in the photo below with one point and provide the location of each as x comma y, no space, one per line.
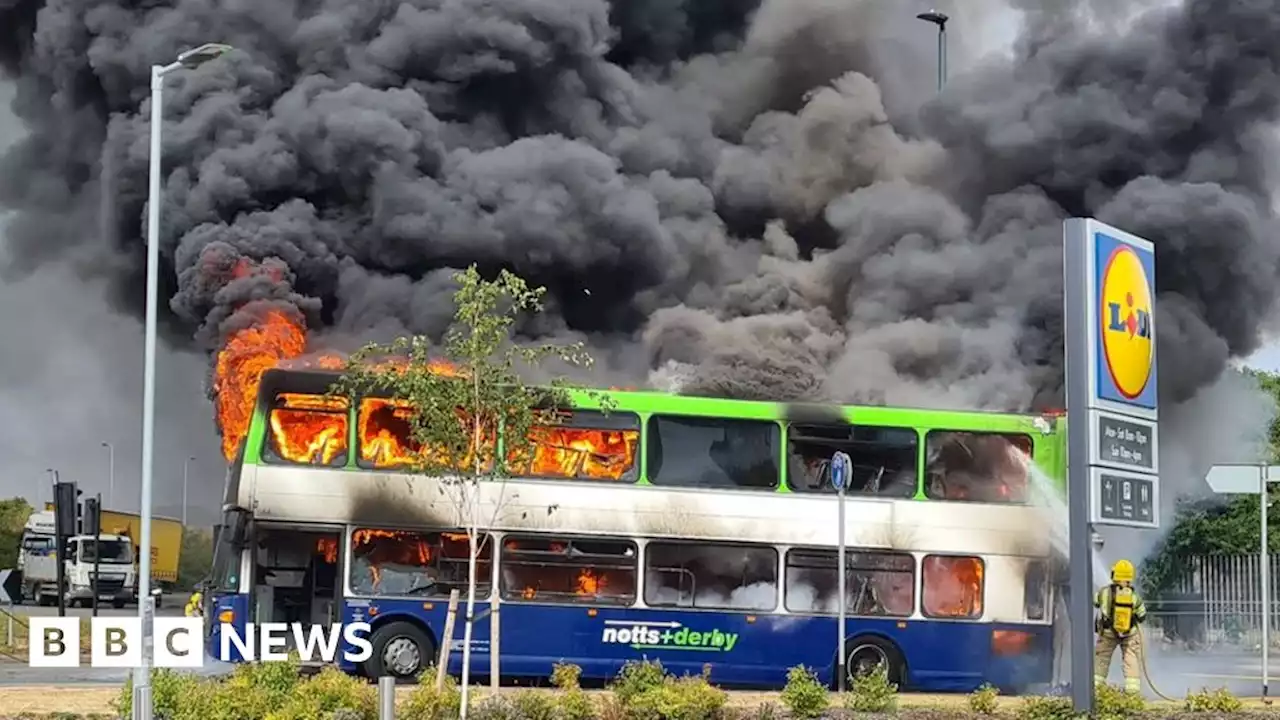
142,703
386,698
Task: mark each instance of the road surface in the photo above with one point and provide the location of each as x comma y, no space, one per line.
170,604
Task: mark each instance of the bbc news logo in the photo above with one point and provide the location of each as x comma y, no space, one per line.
179,642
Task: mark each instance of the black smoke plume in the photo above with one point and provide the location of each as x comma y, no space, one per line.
745,194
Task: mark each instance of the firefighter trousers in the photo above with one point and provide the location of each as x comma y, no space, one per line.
1130,658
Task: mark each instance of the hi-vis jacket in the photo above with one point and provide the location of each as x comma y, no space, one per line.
1131,612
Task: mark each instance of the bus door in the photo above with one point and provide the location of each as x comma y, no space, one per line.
296,577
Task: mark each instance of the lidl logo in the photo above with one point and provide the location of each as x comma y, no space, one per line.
1125,303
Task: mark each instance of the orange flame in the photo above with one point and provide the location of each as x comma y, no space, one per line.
327,548
309,428
579,453
247,354
590,583
952,586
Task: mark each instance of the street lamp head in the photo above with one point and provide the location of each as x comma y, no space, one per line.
935,17
196,57
106,444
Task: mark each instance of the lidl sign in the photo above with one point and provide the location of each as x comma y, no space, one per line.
1124,300
1112,372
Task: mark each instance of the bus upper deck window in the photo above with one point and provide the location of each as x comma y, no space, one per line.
977,467
884,458
307,429
952,586
386,436
584,444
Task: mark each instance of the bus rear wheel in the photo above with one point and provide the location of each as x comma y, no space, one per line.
400,650
868,654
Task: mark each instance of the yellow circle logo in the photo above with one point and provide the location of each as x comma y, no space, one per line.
1125,299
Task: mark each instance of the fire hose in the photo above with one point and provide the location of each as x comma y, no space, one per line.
1142,660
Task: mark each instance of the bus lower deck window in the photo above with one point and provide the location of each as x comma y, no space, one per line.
952,586
877,583
703,575
415,564
561,570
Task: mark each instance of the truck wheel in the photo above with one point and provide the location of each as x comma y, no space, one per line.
117,604
401,650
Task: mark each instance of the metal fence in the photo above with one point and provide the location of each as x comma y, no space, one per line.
1216,603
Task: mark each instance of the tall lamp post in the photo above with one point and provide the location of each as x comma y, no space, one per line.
186,471
142,709
111,473
939,19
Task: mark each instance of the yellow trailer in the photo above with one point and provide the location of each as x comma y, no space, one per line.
166,539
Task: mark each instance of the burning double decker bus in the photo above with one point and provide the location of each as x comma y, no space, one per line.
695,531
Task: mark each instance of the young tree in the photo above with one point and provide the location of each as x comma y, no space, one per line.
462,395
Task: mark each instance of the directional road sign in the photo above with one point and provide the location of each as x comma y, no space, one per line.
10,586
1239,479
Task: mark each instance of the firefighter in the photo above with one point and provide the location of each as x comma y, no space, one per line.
195,604
1121,611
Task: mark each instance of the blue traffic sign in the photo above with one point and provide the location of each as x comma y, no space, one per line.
841,465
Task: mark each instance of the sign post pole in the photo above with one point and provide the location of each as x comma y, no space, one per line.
1112,409
841,465
1264,560
1237,480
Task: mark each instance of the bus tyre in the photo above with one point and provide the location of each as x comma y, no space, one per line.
866,654
401,650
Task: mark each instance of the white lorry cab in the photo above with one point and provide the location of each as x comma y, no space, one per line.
114,556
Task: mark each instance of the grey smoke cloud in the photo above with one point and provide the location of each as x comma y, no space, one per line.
762,199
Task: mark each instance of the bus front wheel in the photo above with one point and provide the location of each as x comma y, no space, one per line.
401,650
867,654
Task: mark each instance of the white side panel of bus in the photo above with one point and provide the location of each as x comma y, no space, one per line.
302,494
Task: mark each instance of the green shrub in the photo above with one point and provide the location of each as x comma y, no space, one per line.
636,678
1112,702
687,698
424,703
1213,701
872,693
1046,708
326,693
566,675
535,705
572,703
168,690
803,695
983,700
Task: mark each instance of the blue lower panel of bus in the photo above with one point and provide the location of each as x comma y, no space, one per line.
741,650
232,609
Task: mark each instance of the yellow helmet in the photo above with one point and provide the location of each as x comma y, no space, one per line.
1122,571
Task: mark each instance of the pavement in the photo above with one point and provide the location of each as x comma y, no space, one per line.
1174,674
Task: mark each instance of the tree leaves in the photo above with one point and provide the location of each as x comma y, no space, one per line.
460,395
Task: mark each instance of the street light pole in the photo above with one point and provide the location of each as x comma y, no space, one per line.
142,708
939,19
111,473
186,469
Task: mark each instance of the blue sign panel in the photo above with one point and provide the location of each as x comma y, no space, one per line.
1122,305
